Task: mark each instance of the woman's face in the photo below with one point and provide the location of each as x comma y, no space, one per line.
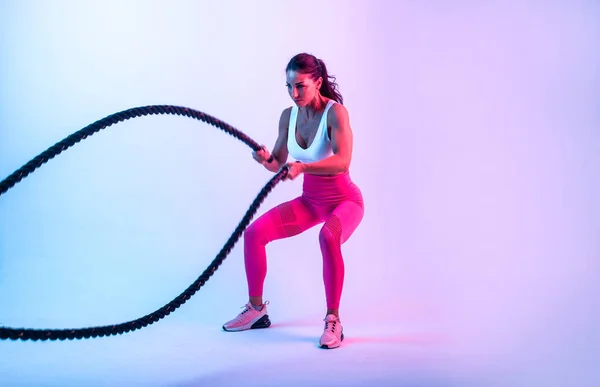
302,88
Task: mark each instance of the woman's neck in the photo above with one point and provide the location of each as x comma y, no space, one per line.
316,105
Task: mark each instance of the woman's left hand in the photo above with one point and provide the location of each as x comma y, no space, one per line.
294,169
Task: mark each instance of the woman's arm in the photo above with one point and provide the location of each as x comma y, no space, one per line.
280,151
341,143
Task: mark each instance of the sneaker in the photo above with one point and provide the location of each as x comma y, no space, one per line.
333,334
249,318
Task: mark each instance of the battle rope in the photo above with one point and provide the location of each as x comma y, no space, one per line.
109,330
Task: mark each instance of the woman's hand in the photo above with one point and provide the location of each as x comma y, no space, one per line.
294,169
261,155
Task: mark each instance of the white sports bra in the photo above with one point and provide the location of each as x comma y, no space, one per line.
319,149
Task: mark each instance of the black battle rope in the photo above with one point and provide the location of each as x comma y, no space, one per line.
108,330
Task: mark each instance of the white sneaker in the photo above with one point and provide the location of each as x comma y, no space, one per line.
333,333
249,318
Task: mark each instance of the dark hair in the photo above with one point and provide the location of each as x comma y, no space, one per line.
310,64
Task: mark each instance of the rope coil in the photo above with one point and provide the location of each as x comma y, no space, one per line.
69,141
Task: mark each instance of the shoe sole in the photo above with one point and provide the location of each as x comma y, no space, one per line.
261,323
325,346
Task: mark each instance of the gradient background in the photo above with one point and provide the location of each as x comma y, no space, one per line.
477,143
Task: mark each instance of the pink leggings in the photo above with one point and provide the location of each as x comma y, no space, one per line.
333,200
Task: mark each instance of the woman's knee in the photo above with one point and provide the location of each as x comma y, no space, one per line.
331,232
255,234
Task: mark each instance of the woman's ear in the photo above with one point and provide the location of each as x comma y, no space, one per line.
319,83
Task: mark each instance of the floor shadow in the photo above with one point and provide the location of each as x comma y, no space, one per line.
412,339
282,332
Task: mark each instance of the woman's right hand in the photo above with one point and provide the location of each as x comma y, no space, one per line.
261,155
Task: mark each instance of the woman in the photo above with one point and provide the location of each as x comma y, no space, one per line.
316,132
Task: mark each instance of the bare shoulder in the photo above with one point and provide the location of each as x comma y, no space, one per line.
284,122
338,115
284,119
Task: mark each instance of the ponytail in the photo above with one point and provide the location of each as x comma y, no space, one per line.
329,88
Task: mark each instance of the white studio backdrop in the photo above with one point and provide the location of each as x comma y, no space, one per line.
476,140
